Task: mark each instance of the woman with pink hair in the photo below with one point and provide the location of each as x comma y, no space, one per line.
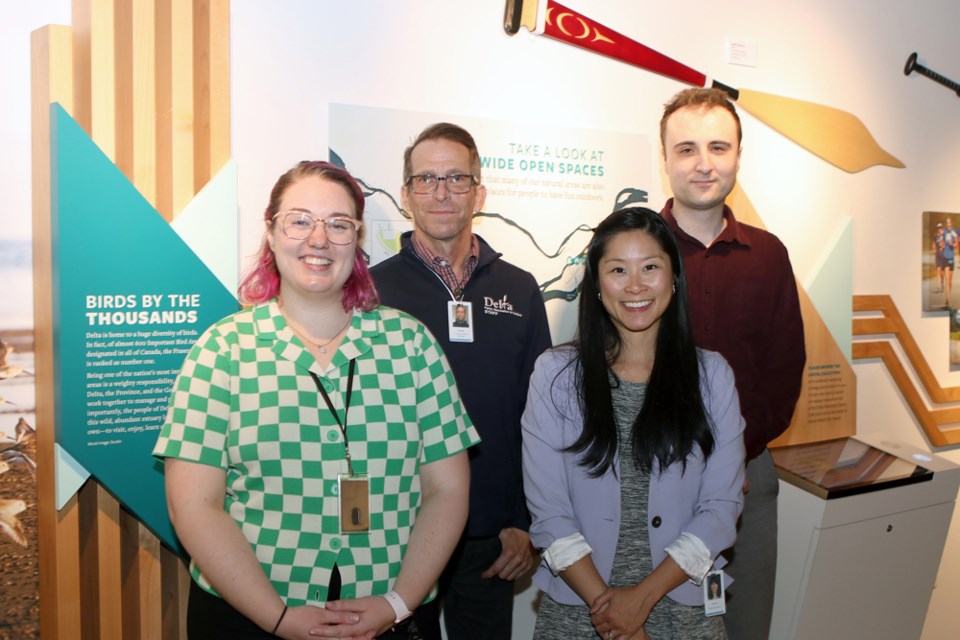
315,443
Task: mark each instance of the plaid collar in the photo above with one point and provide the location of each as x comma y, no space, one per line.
442,267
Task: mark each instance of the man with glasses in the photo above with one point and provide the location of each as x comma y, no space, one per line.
442,267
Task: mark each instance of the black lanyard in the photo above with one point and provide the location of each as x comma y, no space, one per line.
346,409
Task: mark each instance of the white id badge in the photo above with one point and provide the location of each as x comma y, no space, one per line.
714,598
460,321
354,493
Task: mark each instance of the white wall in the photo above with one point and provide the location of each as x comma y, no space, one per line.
19,19
290,59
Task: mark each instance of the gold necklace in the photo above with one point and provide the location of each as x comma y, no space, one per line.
322,347
303,336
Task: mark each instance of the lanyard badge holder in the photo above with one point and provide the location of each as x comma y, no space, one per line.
353,488
714,596
460,320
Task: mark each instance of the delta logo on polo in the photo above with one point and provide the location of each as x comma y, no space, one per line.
494,307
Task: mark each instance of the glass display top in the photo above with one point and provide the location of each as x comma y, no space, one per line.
844,467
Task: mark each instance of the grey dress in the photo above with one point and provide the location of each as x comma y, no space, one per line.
632,562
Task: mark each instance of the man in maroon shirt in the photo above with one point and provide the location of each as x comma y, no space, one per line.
744,304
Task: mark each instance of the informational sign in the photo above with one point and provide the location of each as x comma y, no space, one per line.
130,298
547,187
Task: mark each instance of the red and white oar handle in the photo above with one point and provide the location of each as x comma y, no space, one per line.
556,21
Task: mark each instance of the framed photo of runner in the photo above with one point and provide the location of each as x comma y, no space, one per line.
940,256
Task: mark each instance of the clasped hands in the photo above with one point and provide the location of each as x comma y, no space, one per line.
359,619
620,613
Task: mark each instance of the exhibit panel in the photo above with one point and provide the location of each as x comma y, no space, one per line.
862,526
148,82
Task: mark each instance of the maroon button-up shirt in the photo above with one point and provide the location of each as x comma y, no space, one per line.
744,304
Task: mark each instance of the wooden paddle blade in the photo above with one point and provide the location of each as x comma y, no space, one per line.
839,137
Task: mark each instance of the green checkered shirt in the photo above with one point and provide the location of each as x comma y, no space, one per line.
246,403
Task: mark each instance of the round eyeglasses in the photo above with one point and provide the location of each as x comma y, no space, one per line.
298,225
426,183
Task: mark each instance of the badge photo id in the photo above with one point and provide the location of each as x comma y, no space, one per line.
460,321
354,493
714,598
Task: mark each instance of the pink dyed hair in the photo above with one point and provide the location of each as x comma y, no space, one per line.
262,281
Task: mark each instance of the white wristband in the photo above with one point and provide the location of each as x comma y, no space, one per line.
398,605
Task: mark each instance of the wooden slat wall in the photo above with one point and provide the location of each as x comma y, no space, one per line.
149,82
211,87
175,131
51,53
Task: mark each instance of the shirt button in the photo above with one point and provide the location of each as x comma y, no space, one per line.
332,488
332,435
656,522
335,543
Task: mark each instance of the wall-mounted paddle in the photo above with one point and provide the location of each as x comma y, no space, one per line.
838,137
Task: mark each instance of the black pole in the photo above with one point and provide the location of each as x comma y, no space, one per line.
933,75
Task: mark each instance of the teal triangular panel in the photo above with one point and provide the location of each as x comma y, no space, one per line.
129,300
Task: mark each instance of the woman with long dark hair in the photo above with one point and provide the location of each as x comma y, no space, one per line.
632,450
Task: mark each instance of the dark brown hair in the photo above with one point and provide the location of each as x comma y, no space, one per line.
443,131
701,100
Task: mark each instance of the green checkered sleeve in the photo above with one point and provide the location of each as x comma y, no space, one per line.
198,415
